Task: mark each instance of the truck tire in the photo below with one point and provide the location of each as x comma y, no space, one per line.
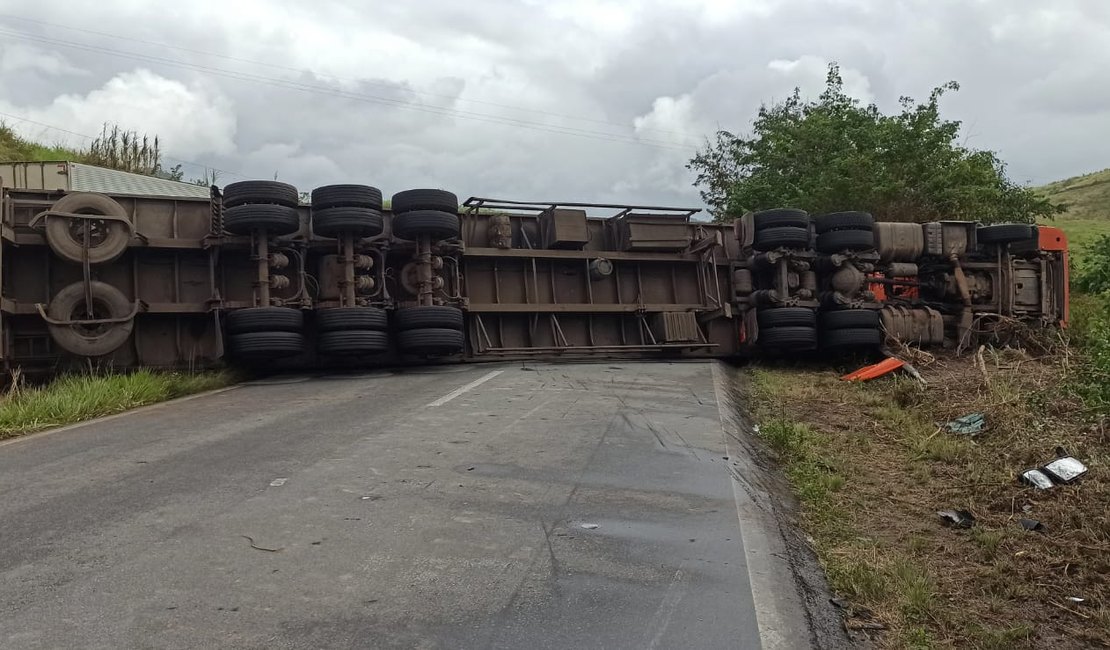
266,345
849,319
108,238
347,196
431,341
431,223
274,219
271,192
781,237
437,200
781,217
786,317
1005,233
855,337
334,222
793,337
264,319
433,316
90,340
835,241
356,342
339,319
843,221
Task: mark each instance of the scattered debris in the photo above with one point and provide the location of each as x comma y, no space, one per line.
1065,469
1077,599
1031,524
957,518
968,425
278,482
261,548
866,373
590,526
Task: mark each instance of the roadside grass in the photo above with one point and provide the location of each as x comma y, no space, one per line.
77,397
871,466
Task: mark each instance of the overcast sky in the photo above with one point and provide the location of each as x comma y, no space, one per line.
539,99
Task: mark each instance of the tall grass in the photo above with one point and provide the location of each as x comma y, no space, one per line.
77,397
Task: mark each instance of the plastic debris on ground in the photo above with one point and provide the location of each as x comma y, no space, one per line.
886,366
968,425
1061,471
589,526
957,518
1031,524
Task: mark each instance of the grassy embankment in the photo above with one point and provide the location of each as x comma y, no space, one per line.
871,467
77,397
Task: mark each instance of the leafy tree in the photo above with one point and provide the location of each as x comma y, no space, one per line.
836,154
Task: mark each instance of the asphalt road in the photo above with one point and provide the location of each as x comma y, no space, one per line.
548,506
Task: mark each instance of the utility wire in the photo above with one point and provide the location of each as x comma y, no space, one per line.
297,70
313,89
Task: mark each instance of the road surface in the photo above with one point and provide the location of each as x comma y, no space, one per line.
508,506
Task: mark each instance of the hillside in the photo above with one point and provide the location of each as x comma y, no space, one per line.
1088,199
14,147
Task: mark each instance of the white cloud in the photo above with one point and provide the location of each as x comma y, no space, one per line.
16,57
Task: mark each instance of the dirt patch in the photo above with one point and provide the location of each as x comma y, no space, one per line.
871,466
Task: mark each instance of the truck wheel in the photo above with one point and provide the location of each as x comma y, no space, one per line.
271,192
435,316
108,238
274,219
337,319
431,223
437,200
793,337
92,340
836,241
781,237
264,319
781,217
431,341
856,337
360,222
352,342
843,221
786,317
849,318
1006,233
347,196
266,345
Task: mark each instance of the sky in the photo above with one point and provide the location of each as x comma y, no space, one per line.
539,100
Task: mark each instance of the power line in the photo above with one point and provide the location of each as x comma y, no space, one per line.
89,137
313,89
287,68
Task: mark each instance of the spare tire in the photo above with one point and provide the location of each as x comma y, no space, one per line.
434,224
431,341
781,237
438,200
93,340
835,241
335,222
266,345
356,342
432,316
1005,233
108,238
786,317
274,219
779,217
264,319
849,318
843,221
337,319
347,196
271,192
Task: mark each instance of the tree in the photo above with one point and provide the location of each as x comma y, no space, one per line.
836,154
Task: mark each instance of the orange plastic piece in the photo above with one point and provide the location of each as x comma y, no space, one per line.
1051,238
886,366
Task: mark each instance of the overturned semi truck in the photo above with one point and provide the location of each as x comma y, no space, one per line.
129,271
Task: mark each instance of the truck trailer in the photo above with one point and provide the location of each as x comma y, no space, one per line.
130,271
